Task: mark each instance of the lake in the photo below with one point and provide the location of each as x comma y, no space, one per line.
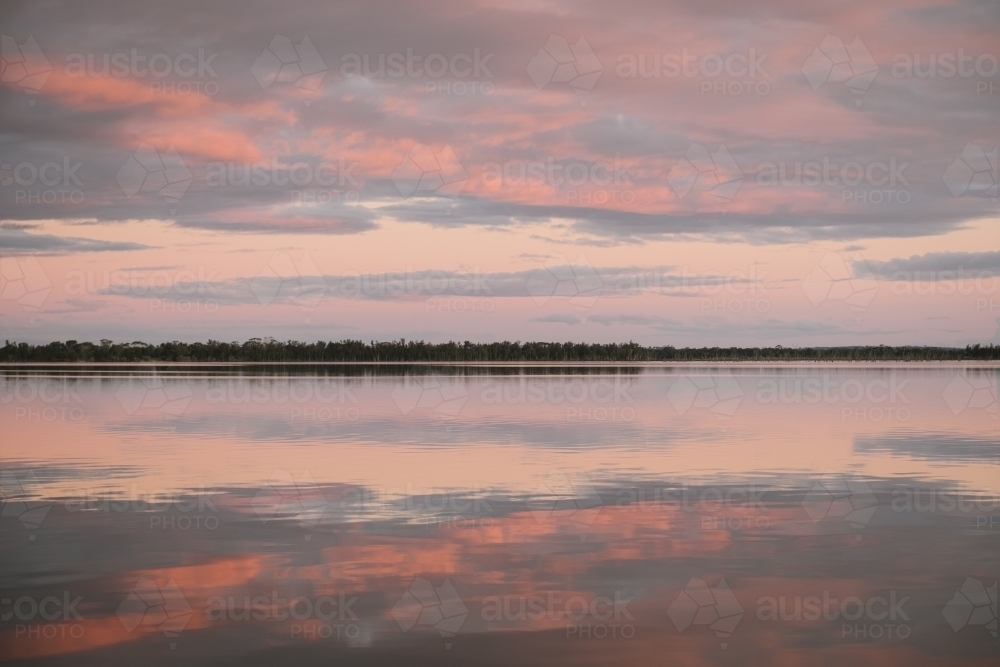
476,514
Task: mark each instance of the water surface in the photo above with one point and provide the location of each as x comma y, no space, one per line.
686,514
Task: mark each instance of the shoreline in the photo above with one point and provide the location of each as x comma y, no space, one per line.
805,363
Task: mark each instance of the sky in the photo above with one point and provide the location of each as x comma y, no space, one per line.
672,173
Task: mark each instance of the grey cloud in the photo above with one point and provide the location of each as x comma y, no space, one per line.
641,123
713,331
641,320
937,266
778,227
14,240
559,319
71,306
608,282
934,446
312,225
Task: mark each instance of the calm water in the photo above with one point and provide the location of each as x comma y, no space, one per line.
685,515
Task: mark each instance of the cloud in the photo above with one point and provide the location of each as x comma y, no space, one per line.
73,306
561,319
932,446
15,241
638,320
607,282
221,113
937,266
283,225
712,331
779,226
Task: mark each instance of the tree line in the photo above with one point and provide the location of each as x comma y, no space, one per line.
270,350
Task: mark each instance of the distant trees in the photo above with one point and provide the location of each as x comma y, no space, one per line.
270,350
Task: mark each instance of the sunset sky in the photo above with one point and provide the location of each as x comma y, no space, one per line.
717,173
